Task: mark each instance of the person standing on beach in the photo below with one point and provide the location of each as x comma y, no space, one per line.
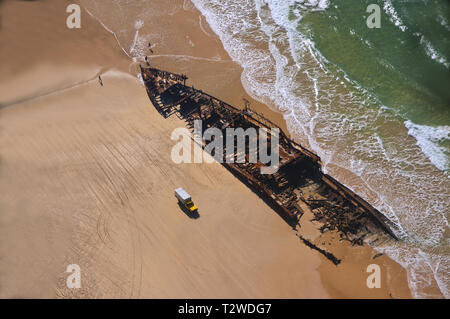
150,47
100,80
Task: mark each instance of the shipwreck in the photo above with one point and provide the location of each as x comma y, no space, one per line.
299,181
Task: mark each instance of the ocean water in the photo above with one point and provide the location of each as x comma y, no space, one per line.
373,103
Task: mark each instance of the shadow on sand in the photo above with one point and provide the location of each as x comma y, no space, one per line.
188,213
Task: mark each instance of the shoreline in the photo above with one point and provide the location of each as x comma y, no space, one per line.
344,281
234,93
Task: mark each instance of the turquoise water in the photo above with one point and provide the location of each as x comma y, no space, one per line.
405,65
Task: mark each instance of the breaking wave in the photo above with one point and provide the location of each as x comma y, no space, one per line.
428,139
393,15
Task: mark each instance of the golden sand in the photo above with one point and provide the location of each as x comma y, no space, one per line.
86,178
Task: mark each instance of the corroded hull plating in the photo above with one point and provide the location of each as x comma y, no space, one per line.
299,180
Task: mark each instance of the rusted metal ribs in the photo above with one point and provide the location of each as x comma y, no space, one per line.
299,177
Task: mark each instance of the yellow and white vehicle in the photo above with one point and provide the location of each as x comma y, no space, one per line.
185,199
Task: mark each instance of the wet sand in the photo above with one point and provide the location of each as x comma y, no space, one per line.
86,178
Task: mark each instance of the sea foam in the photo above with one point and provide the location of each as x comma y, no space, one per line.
428,139
393,15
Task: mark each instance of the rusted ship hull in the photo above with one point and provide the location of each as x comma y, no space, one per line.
299,179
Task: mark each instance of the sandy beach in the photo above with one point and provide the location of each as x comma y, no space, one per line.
87,178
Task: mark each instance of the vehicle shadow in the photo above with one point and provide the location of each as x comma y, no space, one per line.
187,212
